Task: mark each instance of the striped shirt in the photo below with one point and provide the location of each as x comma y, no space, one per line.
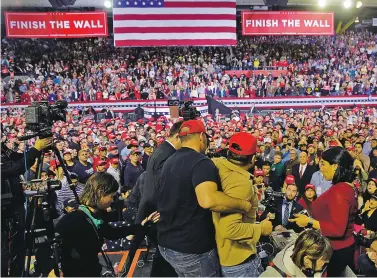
66,194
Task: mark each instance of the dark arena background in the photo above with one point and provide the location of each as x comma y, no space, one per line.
243,123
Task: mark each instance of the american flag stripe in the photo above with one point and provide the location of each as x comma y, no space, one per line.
143,43
176,36
120,17
200,5
181,23
174,22
131,30
175,10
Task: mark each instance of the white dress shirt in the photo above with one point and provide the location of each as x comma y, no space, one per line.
302,168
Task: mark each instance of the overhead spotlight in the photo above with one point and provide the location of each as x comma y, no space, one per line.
357,20
322,3
107,4
347,4
359,4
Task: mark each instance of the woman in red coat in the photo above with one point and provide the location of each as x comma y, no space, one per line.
335,211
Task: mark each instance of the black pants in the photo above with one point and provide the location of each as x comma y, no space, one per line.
12,243
339,261
160,267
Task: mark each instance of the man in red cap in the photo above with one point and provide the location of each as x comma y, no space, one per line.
132,146
235,260
112,138
113,149
188,189
102,156
101,166
114,169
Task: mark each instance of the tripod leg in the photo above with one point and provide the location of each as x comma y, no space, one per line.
30,237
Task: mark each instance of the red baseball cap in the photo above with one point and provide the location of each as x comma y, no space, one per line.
113,148
133,142
245,143
112,136
101,149
290,179
67,151
192,127
101,163
258,173
310,186
114,160
333,143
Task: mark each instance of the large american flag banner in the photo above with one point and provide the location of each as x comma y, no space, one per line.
174,22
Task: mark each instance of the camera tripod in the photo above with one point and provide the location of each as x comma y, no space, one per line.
47,203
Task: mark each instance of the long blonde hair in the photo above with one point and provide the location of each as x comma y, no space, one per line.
311,243
97,186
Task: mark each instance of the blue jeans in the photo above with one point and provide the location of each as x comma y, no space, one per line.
192,265
250,268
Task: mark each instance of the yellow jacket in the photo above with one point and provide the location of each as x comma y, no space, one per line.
236,233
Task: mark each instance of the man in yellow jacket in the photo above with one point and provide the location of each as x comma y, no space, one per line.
236,233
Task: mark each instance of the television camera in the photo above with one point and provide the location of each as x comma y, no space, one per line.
187,111
269,201
41,115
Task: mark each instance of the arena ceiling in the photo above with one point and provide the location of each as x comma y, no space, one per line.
99,4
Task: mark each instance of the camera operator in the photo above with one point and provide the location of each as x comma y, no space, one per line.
235,231
83,230
10,183
308,256
284,209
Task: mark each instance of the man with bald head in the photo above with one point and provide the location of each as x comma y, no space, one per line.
303,172
83,168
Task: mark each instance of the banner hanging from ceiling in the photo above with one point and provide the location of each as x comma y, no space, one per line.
56,25
287,23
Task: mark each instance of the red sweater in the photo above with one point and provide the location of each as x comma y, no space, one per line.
336,210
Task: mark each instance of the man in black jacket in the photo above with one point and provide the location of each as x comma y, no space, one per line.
303,172
11,170
148,202
284,209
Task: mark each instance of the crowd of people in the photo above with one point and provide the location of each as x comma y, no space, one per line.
93,70
193,177
293,152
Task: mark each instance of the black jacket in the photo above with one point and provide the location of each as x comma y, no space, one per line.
306,177
80,244
148,202
296,207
